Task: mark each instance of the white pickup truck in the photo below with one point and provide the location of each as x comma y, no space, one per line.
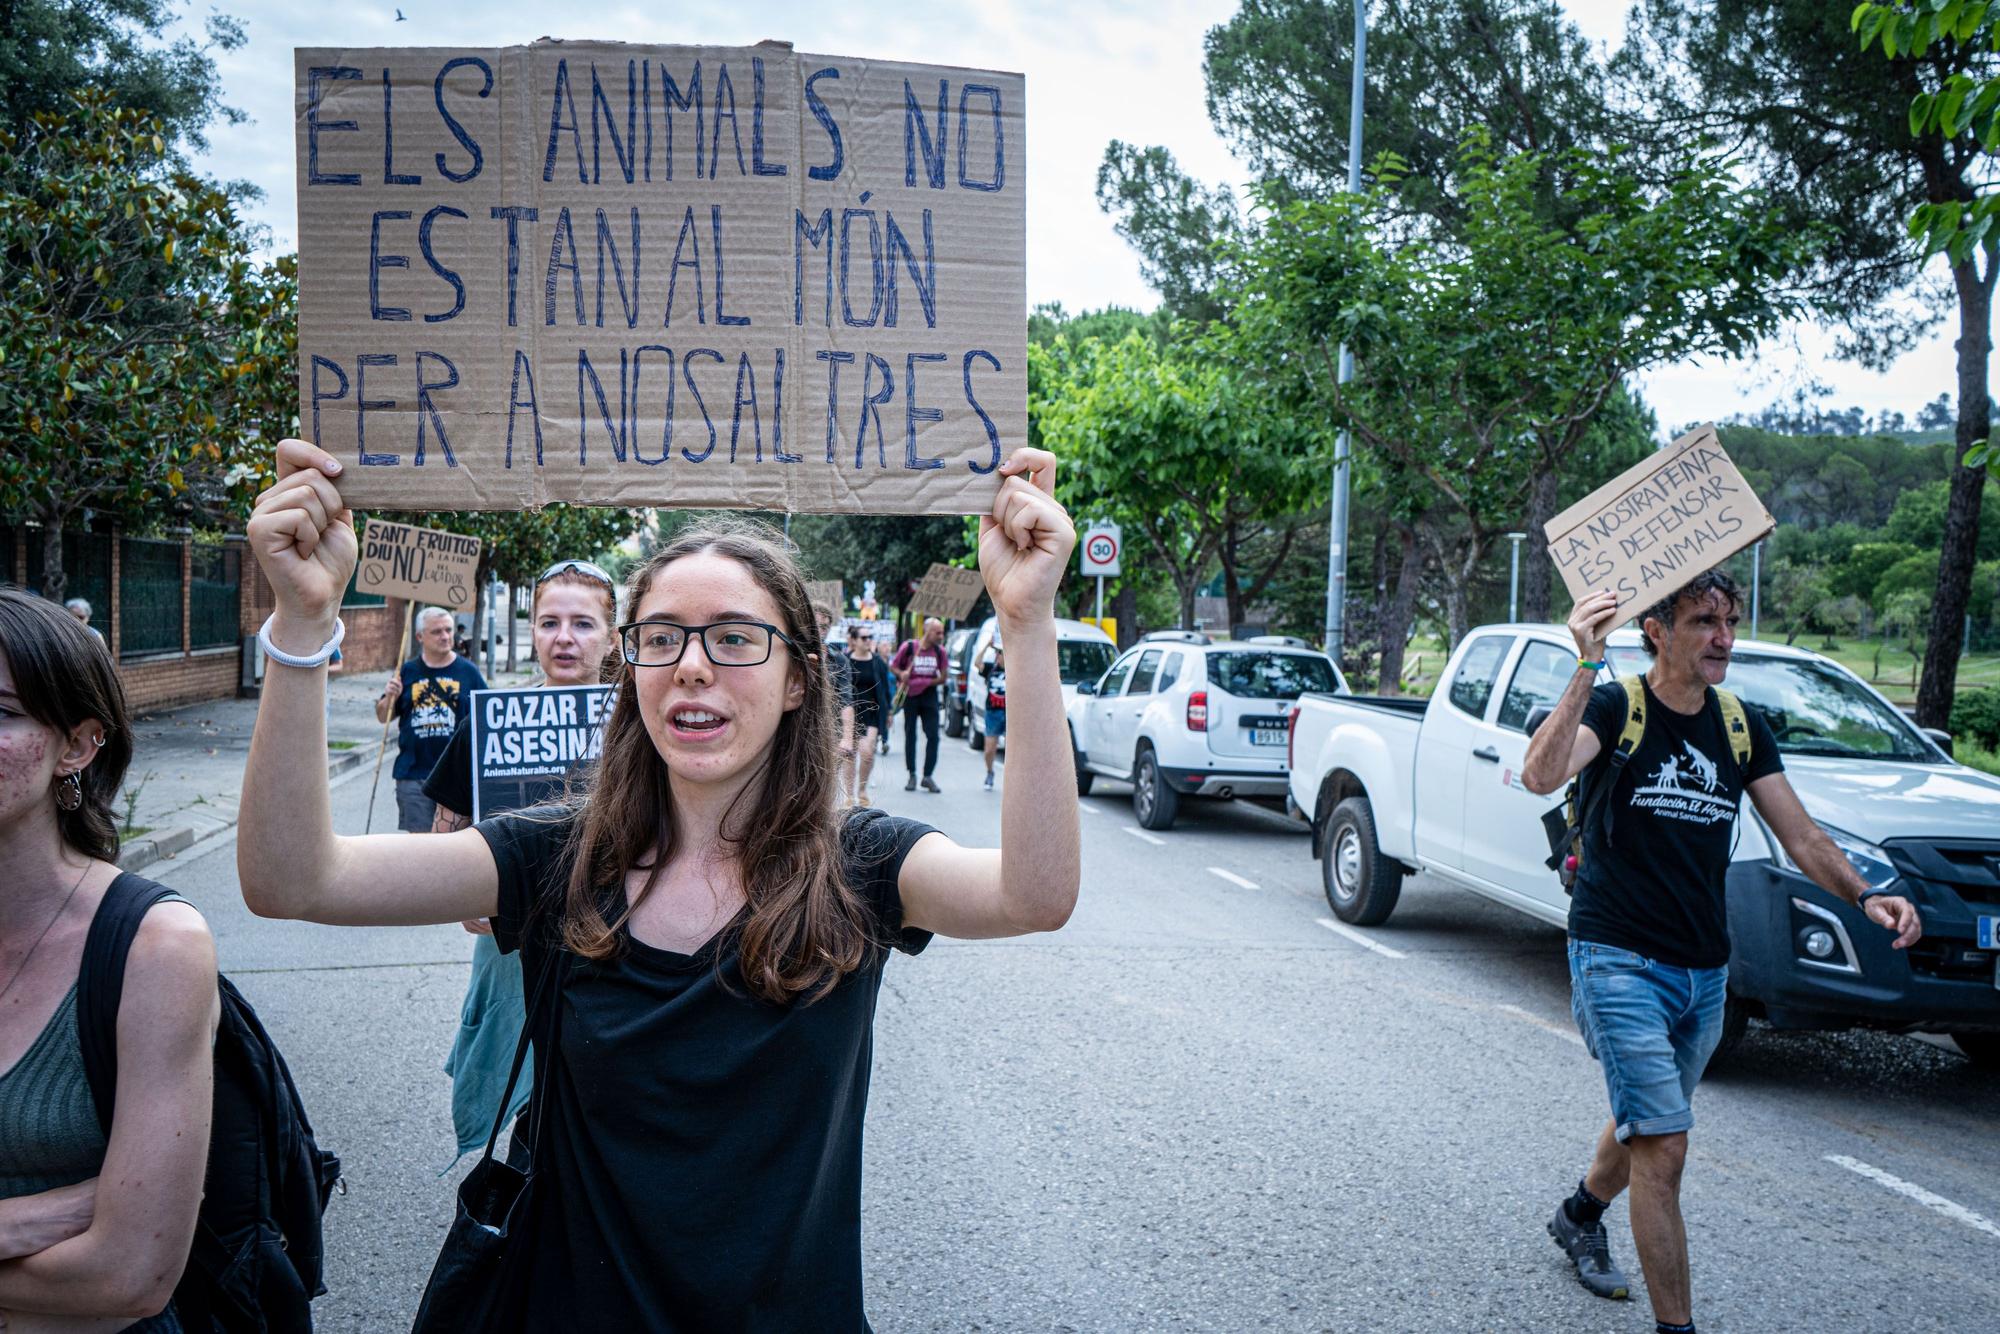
1395,786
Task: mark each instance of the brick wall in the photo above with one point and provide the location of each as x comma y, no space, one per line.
186,678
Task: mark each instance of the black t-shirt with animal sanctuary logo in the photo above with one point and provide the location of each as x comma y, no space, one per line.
1657,887
702,1153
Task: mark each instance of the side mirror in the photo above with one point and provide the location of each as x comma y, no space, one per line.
1086,688
1943,739
1538,715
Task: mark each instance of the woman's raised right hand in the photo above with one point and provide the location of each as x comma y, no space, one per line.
303,537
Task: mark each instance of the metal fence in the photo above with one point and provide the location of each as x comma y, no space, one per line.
214,573
86,569
149,597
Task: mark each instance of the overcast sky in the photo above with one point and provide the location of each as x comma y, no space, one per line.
1097,70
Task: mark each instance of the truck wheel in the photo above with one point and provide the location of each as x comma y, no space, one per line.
1153,801
1084,777
1362,885
1982,1049
973,736
1735,1023
954,721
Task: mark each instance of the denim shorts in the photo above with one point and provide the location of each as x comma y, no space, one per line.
995,722
1652,1027
415,812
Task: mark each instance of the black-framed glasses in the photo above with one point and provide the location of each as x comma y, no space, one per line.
583,567
727,643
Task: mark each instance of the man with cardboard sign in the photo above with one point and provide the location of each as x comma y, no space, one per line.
1658,524
399,560
948,592
634,275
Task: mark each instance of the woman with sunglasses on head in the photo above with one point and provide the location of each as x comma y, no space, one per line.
572,611
75,1257
716,928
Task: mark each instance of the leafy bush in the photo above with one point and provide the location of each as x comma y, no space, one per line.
1976,714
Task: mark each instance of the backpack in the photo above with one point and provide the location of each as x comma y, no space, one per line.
257,1257
1566,823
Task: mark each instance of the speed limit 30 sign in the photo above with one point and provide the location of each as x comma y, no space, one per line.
1100,546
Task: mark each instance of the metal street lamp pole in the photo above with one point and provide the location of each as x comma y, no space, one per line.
1756,583
1514,577
1343,462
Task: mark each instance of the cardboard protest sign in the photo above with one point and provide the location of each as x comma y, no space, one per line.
826,593
660,275
421,564
1658,524
525,742
947,592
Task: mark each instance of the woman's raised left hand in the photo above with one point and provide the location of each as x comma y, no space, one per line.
1025,543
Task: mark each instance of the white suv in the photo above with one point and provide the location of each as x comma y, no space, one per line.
1181,716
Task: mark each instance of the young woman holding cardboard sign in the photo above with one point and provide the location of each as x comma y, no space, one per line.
716,930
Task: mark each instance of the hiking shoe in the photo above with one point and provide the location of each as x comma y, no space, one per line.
930,784
989,782
911,785
1590,1251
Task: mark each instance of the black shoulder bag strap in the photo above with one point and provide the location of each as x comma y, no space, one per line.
101,982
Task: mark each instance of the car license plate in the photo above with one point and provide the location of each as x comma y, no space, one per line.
1275,736
1989,932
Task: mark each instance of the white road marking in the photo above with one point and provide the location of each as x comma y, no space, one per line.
1558,1030
1088,809
1136,832
1949,1208
1233,878
1358,938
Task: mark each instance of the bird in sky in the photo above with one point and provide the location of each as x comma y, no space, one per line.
400,18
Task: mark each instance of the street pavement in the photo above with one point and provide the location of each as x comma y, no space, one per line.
1204,1105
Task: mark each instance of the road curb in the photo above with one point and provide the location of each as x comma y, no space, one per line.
139,853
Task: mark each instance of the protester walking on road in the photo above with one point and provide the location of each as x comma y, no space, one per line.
716,930
572,612
868,688
841,670
1649,930
429,695
994,721
919,666
69,1251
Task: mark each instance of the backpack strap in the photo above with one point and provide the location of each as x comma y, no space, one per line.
1629,738
1736,726
101,982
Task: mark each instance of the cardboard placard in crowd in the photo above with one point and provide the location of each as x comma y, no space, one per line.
399,560
1658,524
948,592
621,274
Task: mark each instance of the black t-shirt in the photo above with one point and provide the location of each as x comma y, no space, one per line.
433,703
1657,888
702,1147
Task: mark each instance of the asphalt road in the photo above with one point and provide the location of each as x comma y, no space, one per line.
1199,1107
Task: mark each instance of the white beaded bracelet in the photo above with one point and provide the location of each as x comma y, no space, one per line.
319,659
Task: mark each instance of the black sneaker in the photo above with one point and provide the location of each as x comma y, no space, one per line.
1590,1251
930,784
911,786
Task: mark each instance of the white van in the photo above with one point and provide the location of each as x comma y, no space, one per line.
1082,654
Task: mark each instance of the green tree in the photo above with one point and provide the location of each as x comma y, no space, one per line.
1829,132
1484,358
1171,444
1912,574
140,338
1920,513
51,50
893,550
1863,568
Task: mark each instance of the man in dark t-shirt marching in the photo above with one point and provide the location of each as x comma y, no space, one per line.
1648,925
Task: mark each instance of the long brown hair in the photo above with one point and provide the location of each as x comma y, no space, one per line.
63,676
806,928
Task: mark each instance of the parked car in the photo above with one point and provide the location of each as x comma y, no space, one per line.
1181,716
957,654
1394,786
1082,654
